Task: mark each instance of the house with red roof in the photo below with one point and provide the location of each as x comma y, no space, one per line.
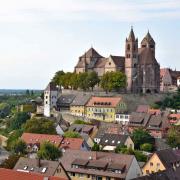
34,142
8,174
105,108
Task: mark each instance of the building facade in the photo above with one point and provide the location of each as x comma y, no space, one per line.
139,64
50,98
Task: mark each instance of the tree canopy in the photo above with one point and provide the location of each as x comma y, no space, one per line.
113,81
19,147
141,136
18,119
49,152
173,137
40,125
5,109
71,134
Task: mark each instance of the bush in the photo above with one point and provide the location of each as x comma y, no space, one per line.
49,152
78,121
140,156
146,147
96,147
71,134
19,147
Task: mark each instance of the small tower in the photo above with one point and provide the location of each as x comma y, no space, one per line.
131,61
148,42
50,98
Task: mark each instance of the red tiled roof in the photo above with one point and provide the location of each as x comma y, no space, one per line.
154,111
72,143
177,116
112,100
8,174
142,108
31,138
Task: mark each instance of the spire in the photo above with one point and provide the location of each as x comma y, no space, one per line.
131,35
148,38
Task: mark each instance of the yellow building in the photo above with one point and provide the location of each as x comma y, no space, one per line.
78,106
105,108
161,160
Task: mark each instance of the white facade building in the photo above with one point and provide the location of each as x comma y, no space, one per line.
50,98
122,118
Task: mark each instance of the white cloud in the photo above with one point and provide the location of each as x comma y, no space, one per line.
80,10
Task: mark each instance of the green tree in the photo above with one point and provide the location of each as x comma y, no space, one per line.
66,80
146,147
96,147
18,119
78,121
120,148
82,81
49,152
74,81
141,136
173,137
40,126
19,147
5,110
71,134
92,79
14,136
118,80
10,162
57,79
106,82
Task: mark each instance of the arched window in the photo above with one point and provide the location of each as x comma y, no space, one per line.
128,47
134,47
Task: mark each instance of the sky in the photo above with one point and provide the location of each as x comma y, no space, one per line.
40,37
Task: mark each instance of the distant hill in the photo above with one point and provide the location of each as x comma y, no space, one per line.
16,91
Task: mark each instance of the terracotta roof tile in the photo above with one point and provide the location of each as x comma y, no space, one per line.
72,143
104,101
8,174
31,138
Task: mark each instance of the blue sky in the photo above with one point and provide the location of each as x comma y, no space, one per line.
40,37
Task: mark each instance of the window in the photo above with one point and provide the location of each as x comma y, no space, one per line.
151,164
72,174
128,47
108,178
109,63
147,171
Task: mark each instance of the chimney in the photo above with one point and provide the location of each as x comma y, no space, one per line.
94,155
38,160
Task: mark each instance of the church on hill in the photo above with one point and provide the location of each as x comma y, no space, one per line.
139,64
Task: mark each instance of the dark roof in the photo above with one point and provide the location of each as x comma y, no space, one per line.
65,99
98,161
91,53
81,99
169,174
51,87
81,128
131,35
118,60
167,157
113,139
142,108
108,128
148,38
32,165
139,119
146,56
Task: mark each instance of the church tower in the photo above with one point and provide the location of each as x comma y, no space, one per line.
131,61
148,42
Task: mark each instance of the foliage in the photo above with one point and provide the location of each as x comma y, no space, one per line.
113,80
19,147
5,110
170,102
49,152
71,134
10,162
173,137
92,79
120,148
14,136
146,147
141,136
96,147
78,121
57,79
138,154
18,119
28,108
40,126
82,81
